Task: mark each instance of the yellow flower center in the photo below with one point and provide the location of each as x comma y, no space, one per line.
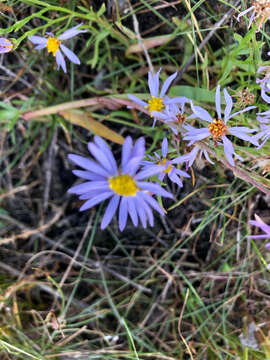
123,185
10,47
217,129
53,45
163,162
155,104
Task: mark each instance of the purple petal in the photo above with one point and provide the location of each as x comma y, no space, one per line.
148,171
201,113
99,155
265,96
244,12
40,46
110,211
174,178
70,33
88,164
87,175
218,101
141,210
106,149
154,189
70,54
96,200
60,61
123,213
148,211
242,111
164,147
126,151
196,135
152,202
228,150
37,40
89,186
166,84
229,104
132,210
137,100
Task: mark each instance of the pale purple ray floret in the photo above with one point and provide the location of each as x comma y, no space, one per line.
252,17
260,224
158,99
165,166
218,128
265,228
124,185
173,115
5,45
264,133
54,45
264,82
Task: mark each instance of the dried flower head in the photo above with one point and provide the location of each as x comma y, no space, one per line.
244,98
260,12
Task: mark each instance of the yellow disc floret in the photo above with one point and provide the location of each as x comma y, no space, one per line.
155,104
9,46
123,185
53,45
217,129
163,162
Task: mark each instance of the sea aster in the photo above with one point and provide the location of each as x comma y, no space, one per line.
218,128
5,45
55,44
124,185
158,100
260,11
165,165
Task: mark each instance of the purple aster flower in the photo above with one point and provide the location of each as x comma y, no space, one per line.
260,11
5,45
55,44
264,134
260,224
158,99
165,166
173,115
218,128
124,186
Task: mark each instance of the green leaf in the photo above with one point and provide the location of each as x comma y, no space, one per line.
193,93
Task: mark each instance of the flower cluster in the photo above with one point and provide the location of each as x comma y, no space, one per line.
126,186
